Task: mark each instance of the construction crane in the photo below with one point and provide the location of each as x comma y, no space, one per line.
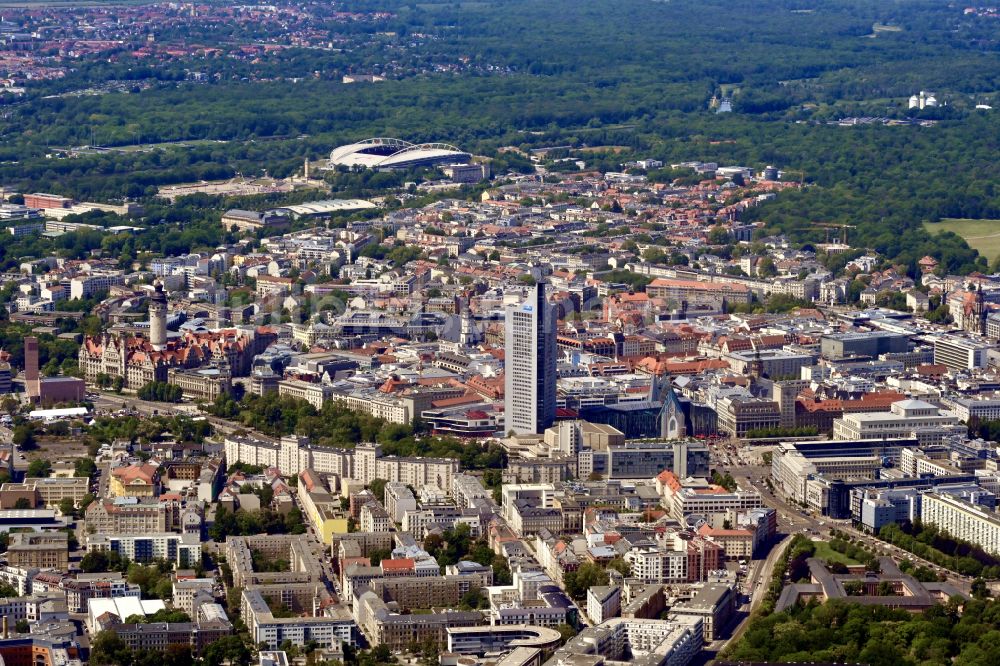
830,225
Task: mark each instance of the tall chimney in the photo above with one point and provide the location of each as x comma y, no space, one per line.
5,627
32,384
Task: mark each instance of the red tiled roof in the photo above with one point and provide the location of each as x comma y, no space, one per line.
399,564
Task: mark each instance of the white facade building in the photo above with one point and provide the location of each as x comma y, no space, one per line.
530,364
962,520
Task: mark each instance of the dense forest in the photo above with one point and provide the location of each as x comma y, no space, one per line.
557,73
841,632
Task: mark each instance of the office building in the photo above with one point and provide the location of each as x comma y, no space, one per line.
960,354
739,415
134,481
683,497
837,346
129,516
886,506
822,474
48,491
530,364
48,390
907,593
480,640
6,377
252,221
979,407
643,460
906,418
40,550
773,363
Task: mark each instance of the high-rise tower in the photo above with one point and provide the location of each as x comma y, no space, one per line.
158,318
530,364
32,382
468,336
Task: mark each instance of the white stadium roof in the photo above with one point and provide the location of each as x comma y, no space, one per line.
123,607
57,413
386,153
327,206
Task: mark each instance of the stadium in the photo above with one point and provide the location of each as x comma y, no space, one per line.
383,153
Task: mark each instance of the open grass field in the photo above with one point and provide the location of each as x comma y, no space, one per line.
983,235
823,551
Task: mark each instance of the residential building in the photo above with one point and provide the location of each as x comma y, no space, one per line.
962,520
184,550
693,294
364,463
85,286
381,626
328,628
399,499
324,513
186,589
603,603
715,604
84,587
673,642
374,518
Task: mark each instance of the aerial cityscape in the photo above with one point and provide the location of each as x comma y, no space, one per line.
499,333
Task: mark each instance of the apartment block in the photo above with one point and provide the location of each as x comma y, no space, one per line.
184,550
962,520
398,500
328,628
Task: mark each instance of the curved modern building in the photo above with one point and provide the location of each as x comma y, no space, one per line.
386,153
492,638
